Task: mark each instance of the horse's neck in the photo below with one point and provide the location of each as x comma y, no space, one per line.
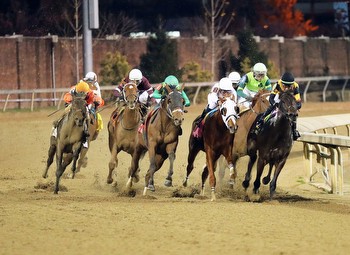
132,115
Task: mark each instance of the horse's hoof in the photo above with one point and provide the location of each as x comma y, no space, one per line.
245,184
168,183
265,180
109,180
151,187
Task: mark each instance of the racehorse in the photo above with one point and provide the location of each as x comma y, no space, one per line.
122,127
160,136
70,136
217,139
273,143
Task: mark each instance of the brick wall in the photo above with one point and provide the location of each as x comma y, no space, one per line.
26,63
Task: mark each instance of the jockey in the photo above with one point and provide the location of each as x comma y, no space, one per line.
252,82
220,90
83,88
173,83
91,79
286,83
235,78
143,85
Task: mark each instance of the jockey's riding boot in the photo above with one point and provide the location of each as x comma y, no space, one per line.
205,111
296,134
261,120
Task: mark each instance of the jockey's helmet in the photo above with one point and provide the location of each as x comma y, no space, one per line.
82,86
287,79
234,77
225,84
90,77
259,71
135,75
172,81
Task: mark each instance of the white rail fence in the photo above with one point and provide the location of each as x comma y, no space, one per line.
307,86
323,150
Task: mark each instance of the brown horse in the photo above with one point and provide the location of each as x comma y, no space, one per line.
217,139
122,127
273,143
70,136
246,120
160,136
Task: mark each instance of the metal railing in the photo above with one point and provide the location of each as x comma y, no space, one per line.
322,84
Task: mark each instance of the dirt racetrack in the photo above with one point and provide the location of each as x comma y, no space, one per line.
92,217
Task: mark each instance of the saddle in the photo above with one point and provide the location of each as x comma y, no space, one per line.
198,130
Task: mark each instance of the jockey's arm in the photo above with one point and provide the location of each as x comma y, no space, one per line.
242,83
185,97
157,94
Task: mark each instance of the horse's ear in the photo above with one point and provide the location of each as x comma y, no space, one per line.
168,89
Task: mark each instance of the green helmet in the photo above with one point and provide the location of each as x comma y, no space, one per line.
172,81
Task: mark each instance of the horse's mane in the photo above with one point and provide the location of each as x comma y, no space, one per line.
258,95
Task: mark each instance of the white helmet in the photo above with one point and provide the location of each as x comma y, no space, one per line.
234,77
259,71
135,75
225,84
90,77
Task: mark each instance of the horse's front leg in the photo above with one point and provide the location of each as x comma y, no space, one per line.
59,169
273,183
169,179
233,171
113,163
170,149
193,150
212,157
156,161
259,170
139,151
76,151
248,174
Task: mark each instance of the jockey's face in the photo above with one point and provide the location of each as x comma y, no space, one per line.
225,93
137,82
259,75
287,87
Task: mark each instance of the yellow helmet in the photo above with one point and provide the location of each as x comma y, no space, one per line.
82,86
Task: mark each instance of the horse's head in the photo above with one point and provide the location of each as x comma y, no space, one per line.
78,109
229,114
175,105
288,104
260,101
130,94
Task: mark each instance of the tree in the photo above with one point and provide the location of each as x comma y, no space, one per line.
160,60
114,67
217,19
280,17
249,54
191,72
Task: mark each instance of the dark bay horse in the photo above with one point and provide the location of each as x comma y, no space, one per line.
217,139
160,136
122,127
70,136
273,143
